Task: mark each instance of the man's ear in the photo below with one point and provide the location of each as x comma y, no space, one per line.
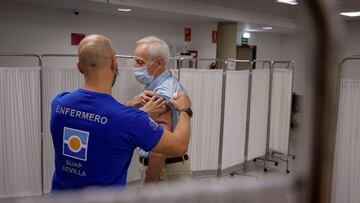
79,68
113,64
160,62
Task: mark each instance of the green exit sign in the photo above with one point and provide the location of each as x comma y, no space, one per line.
244,41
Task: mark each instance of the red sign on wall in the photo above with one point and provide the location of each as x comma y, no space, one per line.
76,38
187,34
214,36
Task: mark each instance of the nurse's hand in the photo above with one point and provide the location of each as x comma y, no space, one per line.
155,107
145,96
181,101
141,99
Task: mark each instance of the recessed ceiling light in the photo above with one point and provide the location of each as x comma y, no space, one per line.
267,28
124,9
351,14
246,35
291,2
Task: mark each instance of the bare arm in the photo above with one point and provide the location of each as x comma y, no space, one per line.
157,160
176,143
155,167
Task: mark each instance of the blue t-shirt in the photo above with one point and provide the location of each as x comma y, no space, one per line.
94,137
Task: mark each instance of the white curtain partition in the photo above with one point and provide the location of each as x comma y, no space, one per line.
346,177
56,81
236,96
204,88
258,113
20,132
280,110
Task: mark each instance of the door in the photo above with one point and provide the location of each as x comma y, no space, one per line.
245,52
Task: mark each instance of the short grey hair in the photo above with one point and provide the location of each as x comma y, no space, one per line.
156,47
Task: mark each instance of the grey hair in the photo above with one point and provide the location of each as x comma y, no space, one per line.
156,47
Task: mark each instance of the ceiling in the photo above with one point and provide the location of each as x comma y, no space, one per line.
279,9
173,10
260,6
102,6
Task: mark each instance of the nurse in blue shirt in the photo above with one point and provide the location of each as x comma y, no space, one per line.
94,136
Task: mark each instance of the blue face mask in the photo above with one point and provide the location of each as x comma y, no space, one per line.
142,75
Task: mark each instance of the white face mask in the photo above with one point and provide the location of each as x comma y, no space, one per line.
142,75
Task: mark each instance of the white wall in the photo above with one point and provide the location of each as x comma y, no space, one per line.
27,29
291,48
275,46
267,45
202,35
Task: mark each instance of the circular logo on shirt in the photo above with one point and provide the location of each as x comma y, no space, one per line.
74,143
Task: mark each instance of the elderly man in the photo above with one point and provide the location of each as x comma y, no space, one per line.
151,57
94,136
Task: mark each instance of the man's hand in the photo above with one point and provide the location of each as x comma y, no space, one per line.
141,99
145,97
155,107
181,101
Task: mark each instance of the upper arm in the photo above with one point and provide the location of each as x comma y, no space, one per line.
169,144
163,146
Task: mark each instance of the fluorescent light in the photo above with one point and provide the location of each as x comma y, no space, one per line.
267,28
124,9
291,2
246,35
254,30
351,14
